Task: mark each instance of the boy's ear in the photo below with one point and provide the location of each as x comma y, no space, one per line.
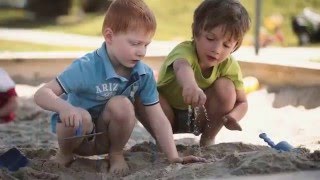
108,34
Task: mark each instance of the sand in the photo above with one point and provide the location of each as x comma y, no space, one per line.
237,155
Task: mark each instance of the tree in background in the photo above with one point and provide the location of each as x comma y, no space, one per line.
48,8
95,5
55,8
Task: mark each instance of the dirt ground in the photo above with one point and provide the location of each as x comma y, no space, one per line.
235,155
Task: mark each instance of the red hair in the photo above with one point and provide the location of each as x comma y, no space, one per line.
124,15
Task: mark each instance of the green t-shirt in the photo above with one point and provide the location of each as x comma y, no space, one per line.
168,85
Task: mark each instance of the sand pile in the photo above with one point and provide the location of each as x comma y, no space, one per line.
235,154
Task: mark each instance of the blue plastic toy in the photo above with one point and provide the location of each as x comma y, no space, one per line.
79,130
13,160
282,146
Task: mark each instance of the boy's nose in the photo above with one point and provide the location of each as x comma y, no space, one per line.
216,49
141,52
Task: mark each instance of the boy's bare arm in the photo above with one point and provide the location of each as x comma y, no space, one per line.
192,94
184,73
48,98
162,131
241,106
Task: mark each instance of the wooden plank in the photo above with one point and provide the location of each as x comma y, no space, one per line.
37,68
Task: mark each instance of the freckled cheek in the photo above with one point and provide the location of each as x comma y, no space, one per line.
208,46
131,53
134,51
224,56
204,50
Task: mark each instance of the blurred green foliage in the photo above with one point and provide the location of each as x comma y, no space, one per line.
174,18
287,9
25,47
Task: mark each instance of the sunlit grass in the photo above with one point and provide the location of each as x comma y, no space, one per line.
24,47
174,18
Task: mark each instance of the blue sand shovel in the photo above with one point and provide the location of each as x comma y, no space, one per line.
13,159
79,130
282,146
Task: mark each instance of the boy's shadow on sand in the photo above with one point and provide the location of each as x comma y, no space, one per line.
308,97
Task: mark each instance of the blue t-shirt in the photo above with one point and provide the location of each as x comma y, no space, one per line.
90,81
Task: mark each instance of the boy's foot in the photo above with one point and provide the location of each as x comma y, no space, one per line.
231,124
118,165
63,159
204,142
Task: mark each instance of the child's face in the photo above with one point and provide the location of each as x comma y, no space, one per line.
128,48
213,47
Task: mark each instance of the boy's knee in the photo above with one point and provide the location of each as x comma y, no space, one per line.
86,117
120,107
224,92
86,120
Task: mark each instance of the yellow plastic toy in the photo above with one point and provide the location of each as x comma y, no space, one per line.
250,84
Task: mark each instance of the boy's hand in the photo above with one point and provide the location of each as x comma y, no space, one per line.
71,117
192,159
193,95
231,123
188,159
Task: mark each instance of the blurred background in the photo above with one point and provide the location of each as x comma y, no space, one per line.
283,23
40,38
